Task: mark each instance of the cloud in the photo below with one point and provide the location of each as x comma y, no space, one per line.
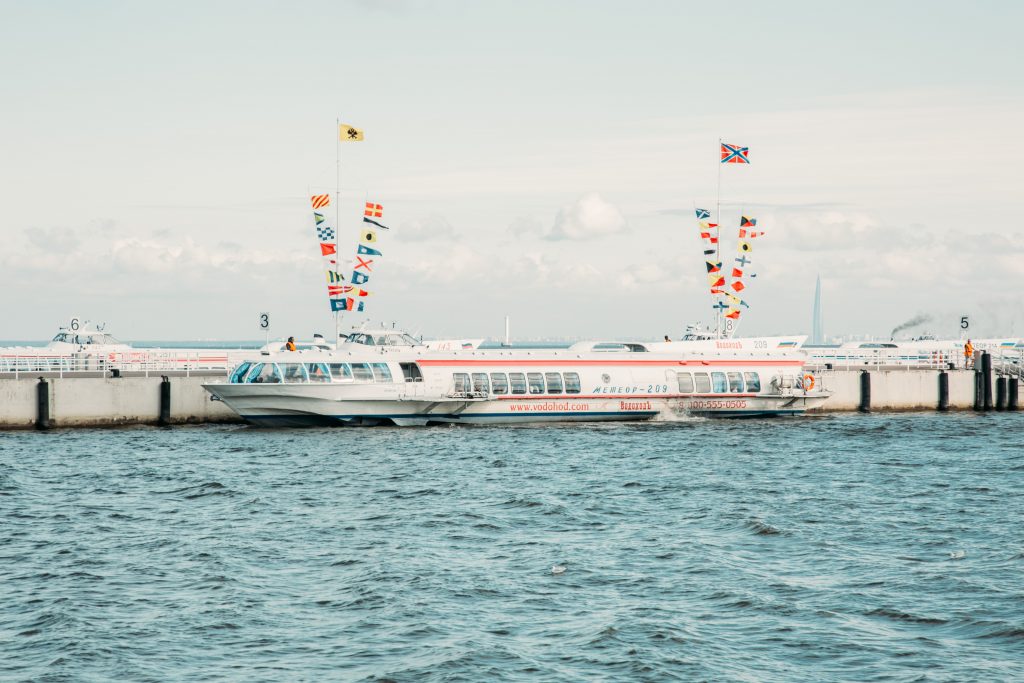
70,252
590,217
646,275
432,227
524,225
53,240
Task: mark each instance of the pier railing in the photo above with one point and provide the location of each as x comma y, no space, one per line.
134,362
1008,361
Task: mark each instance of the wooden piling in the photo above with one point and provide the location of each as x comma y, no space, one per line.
165,401
1001,393
1011,393
943,391
42,404
986,380
865,392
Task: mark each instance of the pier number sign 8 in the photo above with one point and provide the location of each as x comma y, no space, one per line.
964,322
265,322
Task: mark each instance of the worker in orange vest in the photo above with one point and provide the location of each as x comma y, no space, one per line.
968,354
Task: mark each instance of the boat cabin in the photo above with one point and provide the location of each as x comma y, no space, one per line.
381,338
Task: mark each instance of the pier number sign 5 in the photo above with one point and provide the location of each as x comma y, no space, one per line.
964,322
265,322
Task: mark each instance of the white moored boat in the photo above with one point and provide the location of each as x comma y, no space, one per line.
404,383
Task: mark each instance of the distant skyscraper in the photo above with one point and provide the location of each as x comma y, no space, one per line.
817,331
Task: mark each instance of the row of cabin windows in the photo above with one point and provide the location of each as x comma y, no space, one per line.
517,382
293,373
719,382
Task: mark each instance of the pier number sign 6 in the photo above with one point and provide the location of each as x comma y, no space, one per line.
265,322
75,325
964,322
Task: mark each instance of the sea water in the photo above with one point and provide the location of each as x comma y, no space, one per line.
884,547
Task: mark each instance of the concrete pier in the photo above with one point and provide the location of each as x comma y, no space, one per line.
30,402
902,389
99,401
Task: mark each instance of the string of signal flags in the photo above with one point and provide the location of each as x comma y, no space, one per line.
724,284
347,293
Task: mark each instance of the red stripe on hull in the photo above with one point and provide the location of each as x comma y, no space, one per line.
609,363
567,397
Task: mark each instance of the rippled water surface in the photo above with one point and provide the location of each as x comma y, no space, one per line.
848,547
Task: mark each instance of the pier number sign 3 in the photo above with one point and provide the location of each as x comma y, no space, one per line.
265,322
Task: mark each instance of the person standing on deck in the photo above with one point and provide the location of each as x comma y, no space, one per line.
968,354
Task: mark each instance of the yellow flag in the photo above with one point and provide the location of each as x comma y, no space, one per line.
347,133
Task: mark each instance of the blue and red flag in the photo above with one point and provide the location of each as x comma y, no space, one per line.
734,154
346,305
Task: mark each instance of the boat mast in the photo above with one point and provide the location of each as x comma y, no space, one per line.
718,245
337,213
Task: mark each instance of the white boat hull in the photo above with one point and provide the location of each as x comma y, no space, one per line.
309,405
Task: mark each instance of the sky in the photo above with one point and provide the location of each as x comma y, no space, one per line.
539,160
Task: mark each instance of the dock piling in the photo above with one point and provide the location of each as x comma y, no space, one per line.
865,392
165,400
943,391
1001,393
42,404
1011,393
986,380
978,402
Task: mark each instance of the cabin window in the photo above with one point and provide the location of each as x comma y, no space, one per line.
753,382
554,382
480,383
518,382
719,385
461,380
238,376
702,382
318,372
536,382
264,373
293,372
572,383
411,372
381,372
361,372
254,372
499,383
685,382
735,383
341,371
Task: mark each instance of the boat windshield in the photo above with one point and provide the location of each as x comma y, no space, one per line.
381,339
71,338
